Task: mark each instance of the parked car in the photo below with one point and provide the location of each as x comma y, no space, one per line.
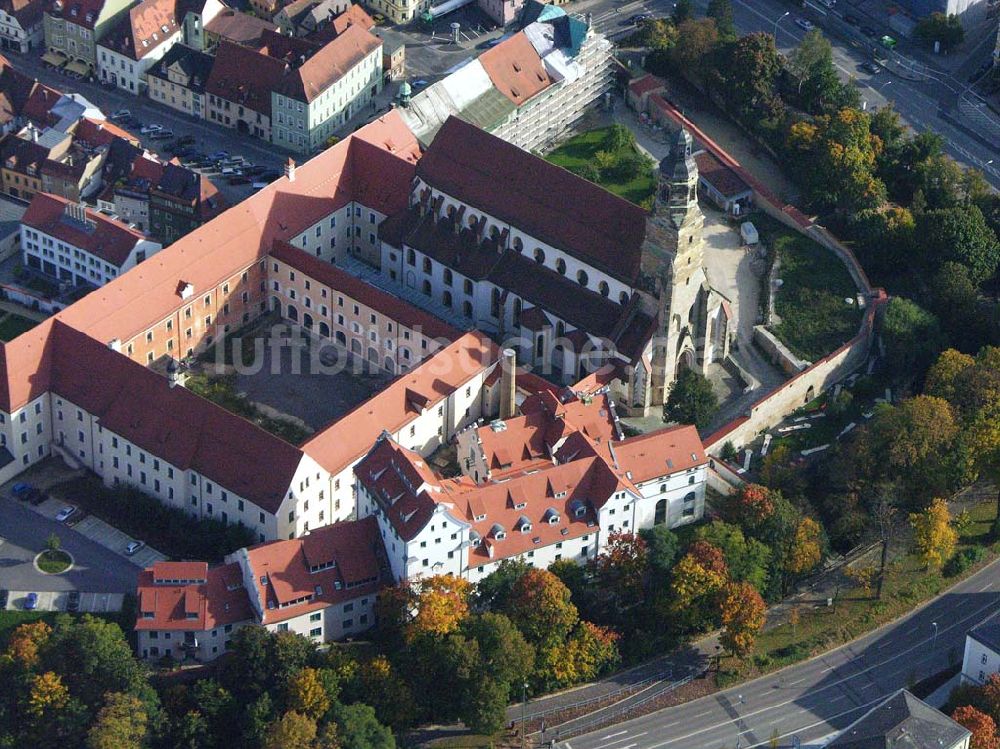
21,490
230,171
186,140
73,604
219,155
872,68
852,20
161,135
64,514
150,129
121,114
802,23
31,602
133,547
255,169
869,32
239,179
37,496
268,176
419,83
182,152
4,596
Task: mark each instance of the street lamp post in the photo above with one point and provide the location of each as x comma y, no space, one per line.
524,706
934,641
779,20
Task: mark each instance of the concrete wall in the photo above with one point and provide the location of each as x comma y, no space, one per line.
777,351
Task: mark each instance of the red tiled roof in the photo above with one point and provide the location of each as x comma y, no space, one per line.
350,285
179,571
80,12
245,76
645,84
539,198
516,69
660,453
27,12
719,176
335,447
220,600
241,28
100,132
110,240
356,16
172,423
143,28
358,568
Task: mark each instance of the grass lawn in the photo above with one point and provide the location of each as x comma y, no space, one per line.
815,319
222,392
54,562
11,326
581,150
907,585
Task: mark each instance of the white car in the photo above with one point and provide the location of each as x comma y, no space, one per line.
802,23
133,547
121,114
65,513
150,129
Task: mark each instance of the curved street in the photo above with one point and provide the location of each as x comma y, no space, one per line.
819,697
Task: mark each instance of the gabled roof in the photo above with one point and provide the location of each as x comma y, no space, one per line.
336,447
103,237
988,634
15,89
184,430
27,12
539,198
83,13
516,69
719,176
660,453
238,27
195,607
900,721
143,28
195,64
332,564
96,133
245,76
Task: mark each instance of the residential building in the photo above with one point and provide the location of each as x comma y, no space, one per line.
71,243
237,99
503,12
178,80
187,610
355,15
51,161
141,37
304,17
328,86
322,586
265,8
129,174
400,11
722,186
22,26
181,201
902,720
21,169
73,28
982,652
23,99
971,12
530,89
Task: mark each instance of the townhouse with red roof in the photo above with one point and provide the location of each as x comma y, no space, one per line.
76,245
74,27
322,586
21,27
139,39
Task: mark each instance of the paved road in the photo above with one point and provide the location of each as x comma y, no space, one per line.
821,696
24,531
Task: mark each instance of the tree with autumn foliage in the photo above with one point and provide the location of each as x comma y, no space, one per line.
589,651
750,506
743,612
25,643
984,730
933,535
697,578
540,606
121,724
620,568
442,602
291,731
806,550
307,695
46,694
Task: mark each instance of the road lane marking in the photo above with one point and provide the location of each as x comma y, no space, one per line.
624,738
612,735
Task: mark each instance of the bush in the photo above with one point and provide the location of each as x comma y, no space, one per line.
728,452
588,172
963,560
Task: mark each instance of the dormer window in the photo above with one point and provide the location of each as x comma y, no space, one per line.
551,516
520,505
498,532
523,524
480,518
263,580
578,508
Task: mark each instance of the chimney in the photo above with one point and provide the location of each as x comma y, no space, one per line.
590,20
290,169
508,385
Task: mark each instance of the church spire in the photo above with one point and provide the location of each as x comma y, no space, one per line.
677,192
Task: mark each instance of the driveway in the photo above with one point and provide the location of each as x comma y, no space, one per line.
24,531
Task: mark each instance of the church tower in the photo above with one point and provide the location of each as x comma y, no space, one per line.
674,256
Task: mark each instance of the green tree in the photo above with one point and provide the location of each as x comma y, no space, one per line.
619,139
911,335
662,547
933,535
540,606
819,87
493,591
120,724
691,400
697,40
748,559
748,69
960,234
506,657
721,11
484,707
360,729
938,27
53,543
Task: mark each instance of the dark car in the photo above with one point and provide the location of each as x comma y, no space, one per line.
872,68
239,179
21,491
4,596
852,20
37,496
31,602
269,175
869,32
253,171
73,604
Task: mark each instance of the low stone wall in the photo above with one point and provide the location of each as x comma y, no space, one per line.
777,352
723,478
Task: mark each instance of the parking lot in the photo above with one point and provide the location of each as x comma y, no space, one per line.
93,603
